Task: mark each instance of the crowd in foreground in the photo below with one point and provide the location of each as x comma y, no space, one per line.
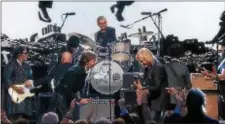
190,109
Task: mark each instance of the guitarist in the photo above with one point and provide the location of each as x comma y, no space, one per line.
18,72
221,77
74,80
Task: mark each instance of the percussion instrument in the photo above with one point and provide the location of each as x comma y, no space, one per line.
121,51
84,40
99,77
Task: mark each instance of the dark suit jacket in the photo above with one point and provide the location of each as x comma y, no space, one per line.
156,79
72,82
179,79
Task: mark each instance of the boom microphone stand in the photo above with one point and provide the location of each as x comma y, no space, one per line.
161,37
160,34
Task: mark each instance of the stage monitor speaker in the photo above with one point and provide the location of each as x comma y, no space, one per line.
101,109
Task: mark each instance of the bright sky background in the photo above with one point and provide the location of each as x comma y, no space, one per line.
183,19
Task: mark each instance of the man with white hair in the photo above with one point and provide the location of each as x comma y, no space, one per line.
155,79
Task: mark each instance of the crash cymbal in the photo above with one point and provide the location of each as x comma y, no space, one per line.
141,34
84,40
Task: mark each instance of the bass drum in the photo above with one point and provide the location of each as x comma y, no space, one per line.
99,77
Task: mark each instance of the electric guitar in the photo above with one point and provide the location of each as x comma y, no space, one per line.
18,98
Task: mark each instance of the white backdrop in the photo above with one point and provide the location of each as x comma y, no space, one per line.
183,19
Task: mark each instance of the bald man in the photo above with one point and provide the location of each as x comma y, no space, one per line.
59,71
66,58
56,72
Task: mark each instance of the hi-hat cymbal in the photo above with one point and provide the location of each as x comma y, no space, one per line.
84,40
141,34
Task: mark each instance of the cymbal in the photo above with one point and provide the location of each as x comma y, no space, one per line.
84,40
141,34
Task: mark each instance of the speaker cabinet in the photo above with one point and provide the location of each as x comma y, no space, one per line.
101,109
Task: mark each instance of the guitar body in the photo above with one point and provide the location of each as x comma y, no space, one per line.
18,98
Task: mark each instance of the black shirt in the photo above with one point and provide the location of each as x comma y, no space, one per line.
72,82
103,38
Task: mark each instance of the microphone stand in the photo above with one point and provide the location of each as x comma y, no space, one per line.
109,72
160,34
60,29
132,24
159,27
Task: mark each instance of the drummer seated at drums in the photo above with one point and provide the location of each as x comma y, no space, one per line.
106,35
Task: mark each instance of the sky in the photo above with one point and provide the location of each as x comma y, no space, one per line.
186,20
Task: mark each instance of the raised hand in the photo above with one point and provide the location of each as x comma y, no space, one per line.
4,118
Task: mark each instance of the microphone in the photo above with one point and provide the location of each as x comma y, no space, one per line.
124,26
146,13
164,10
69,13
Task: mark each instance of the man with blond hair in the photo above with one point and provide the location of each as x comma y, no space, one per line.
155,79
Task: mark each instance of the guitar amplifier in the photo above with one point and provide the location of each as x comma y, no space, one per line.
210,89
101,109
129,78
128,90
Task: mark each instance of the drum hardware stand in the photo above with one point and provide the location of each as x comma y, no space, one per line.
109,72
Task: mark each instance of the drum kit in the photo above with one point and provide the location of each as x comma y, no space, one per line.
106,77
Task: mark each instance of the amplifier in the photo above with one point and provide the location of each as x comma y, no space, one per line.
129,78
101,109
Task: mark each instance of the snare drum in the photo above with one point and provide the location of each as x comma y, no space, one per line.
121,51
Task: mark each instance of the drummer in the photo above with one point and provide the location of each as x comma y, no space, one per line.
106,35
